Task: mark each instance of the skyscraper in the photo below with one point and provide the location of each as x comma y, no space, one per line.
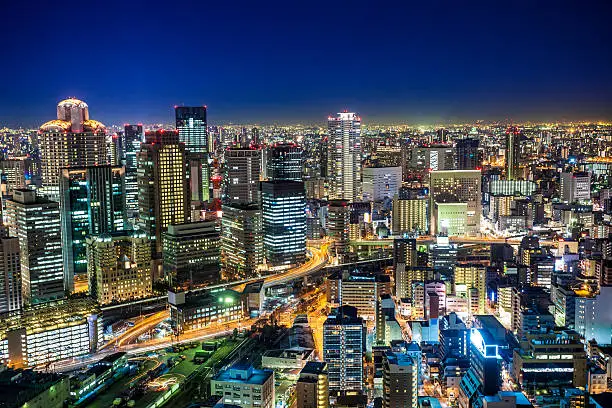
242,169
343,349
468,156
381,183
284,222
71,140
344,156
10,275
36,222
92,201
312,386
338,225
241,240
284,161
193,131
134,136
163,192
513,153
119,266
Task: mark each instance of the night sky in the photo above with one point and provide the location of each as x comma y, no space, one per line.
263,62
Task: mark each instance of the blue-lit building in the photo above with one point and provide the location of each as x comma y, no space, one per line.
284,222
192,129
92,201
133,136
344,344
284,161
244,386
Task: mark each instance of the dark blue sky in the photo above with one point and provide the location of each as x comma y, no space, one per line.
259,61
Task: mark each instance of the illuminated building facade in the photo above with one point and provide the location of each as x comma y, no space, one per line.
242,170
46,333
410,212
451,219
119,266
381,183
344,344
36,222
73,139
284,222
241,240
13,174
192,253
284,161
198,312
193,131
10,275
513,153
468,155
92,201
400,381
470,282
575,187
244,386
432,158
458,186
312,387
484,376
344,156
134,136
338,219
163,191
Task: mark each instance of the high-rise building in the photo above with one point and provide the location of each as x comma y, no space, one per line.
119,266
338,219
134,136
192,253
468,156
312,387
36,222
381,183
410,212
92,201
344,336
284,222
513,153
163,192
242,170
575,187
241,240
13,174
400,381
404,257
70,140
458,186
10,275
470,281
284,161
432,158
344,156
192,127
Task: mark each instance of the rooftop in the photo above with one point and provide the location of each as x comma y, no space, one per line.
245,374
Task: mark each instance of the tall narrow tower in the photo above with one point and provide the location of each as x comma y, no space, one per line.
344,156
191,125
513,152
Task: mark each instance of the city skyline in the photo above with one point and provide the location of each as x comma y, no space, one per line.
414,63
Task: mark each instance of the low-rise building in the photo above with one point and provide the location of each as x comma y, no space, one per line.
245,386
198,312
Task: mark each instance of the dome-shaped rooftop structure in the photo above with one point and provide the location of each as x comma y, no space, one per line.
72,116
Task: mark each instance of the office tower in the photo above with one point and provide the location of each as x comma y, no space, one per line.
404,257
163,192
361,291
242,168
312,387
92,201
575,187
468,156
36,222
381,183
241,240
284,161
546,359
119,266
410,212
400,381
133,136
344,336
513,153
213,307
338,218
44,333
13,174
115,149
451,219
344,156
244,386
193,131
10,275
192,253
470,282
432,158
71,140
457,186
283,213
442,135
